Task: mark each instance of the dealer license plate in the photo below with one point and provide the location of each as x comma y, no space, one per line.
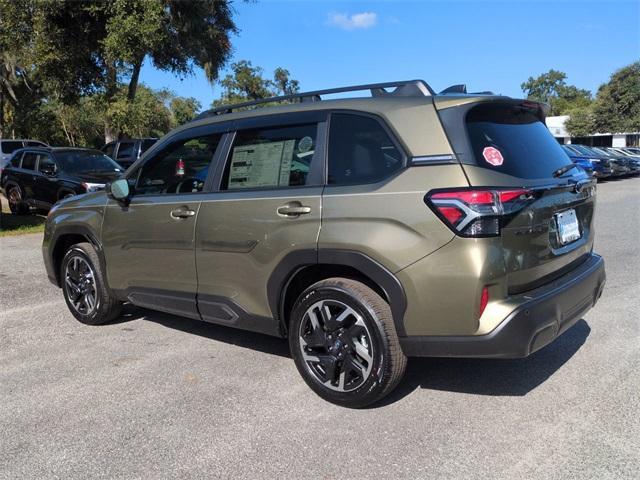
568,227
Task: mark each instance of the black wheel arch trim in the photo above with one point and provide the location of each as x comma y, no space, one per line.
292,263
61,231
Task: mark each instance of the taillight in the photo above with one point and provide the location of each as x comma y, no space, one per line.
477,213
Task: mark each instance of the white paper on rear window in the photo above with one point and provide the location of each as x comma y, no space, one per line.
261,165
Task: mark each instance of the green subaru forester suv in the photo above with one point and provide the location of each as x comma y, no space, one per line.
365,230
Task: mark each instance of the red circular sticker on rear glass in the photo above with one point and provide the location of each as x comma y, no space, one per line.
493,156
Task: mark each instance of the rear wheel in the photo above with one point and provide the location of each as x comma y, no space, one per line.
16,201
84,287
344,343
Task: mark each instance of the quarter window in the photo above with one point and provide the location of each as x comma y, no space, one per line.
29,161
360,151
180,167
271,157
108,149
15,161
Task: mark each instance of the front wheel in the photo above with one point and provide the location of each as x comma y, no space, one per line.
84,287
16,201
344,343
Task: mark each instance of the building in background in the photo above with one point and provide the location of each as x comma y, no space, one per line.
558,130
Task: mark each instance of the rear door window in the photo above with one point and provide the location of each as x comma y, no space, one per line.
34,143
10,146
513,140
125,150
271,157
46,164
29,161
360,150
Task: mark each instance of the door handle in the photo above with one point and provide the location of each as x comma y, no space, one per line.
182,213
293,210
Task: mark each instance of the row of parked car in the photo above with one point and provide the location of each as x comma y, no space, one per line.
605,162
35,175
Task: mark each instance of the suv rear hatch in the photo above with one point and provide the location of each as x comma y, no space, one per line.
542,212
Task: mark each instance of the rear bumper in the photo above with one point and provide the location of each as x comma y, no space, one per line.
551,310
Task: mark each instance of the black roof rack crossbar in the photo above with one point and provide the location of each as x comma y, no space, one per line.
410,88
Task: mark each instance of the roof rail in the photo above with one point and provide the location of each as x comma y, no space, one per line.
408,88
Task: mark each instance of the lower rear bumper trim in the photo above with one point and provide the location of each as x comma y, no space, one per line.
551,311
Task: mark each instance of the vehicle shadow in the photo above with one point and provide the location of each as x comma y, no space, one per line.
233,336
496,377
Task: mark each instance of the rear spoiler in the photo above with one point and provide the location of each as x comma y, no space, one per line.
468,101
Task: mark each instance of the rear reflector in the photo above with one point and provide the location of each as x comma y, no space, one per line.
477,213
484,299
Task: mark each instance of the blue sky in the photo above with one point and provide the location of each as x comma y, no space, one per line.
487,45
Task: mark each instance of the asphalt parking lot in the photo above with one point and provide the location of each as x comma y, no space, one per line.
157,396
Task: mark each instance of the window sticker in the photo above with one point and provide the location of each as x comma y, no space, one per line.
261,165
493,156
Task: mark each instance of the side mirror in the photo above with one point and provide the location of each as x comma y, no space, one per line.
119,190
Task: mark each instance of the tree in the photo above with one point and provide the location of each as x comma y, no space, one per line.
551,88
545,86
14,76
82,124
184,109
617,105
147,115
80,48
283,83
247,83
580,122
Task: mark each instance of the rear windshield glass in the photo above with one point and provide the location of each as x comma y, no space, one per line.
10,146
512,140
73,161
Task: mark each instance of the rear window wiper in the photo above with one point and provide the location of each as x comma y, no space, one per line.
562,170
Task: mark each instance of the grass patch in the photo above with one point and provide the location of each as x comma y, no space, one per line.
20,224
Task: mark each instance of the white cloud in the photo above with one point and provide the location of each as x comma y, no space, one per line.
352,22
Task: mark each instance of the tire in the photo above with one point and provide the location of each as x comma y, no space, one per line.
91,302
16,201
350,354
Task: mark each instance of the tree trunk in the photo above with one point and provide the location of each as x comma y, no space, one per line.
1,115
111,88
65,130
133,82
